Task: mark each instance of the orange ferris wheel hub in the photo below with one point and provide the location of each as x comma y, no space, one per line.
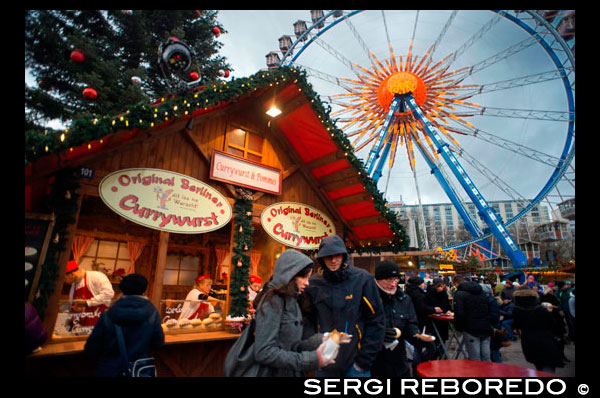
401,83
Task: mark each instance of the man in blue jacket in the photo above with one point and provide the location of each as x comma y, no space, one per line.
343,297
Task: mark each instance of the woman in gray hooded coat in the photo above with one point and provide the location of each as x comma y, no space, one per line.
278,342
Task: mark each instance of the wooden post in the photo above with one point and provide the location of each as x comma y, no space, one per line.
52,306
229,271
161,261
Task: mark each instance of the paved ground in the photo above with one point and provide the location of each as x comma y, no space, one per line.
513,355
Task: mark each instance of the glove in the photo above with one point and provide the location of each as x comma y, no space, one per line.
391,334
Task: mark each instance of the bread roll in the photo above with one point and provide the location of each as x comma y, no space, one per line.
172,324
215,316
207,321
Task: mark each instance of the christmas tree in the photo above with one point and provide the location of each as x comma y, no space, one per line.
114,55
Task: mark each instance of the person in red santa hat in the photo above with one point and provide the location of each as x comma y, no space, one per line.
91,293
197,305
255,287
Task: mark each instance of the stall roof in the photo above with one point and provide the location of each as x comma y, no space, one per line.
320,146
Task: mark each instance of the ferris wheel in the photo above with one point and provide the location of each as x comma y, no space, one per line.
474,106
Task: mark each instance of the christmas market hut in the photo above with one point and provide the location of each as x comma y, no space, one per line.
203,185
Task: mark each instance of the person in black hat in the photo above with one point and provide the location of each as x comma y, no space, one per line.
139,321
401,323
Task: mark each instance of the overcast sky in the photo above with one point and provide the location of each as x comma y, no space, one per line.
254,33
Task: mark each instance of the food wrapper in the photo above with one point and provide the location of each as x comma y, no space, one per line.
331,349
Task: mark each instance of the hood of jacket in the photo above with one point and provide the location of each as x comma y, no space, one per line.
471,287
289,264
131,310
526,298
331,245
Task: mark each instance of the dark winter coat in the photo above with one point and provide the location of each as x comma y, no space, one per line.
278,341
399,313
422,306
35,335
439,299
346,298
472,310
506,310
540,333
142,332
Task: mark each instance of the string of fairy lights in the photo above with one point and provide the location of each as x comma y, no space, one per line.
92,132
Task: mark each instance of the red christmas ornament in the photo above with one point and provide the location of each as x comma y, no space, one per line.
226,73
216,31
77,56
90,93
194,76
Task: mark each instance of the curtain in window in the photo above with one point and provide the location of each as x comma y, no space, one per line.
135,250
221,255
80,245
254,260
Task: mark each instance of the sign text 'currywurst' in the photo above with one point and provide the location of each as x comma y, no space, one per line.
165,200
296,225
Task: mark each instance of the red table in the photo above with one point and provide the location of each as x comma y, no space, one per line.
468,368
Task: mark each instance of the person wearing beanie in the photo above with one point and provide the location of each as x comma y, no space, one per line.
139,321
401,324
91,293
424,351
541,333
343,297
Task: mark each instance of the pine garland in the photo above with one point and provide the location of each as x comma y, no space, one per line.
62,202
240,261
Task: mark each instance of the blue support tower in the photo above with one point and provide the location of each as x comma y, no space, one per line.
374,153
509,246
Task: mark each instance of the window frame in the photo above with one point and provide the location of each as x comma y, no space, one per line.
245,149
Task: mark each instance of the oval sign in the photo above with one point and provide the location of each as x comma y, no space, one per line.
165,200
296,225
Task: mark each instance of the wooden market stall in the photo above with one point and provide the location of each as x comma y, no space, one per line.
187,136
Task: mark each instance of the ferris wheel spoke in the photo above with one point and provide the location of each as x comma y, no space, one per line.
476,36
360,40
554,116
507,145
501,56
513,83
492,177
431,50
337,55
325,77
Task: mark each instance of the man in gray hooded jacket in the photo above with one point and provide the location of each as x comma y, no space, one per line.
344,298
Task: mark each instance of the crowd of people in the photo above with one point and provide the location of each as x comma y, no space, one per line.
384,323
